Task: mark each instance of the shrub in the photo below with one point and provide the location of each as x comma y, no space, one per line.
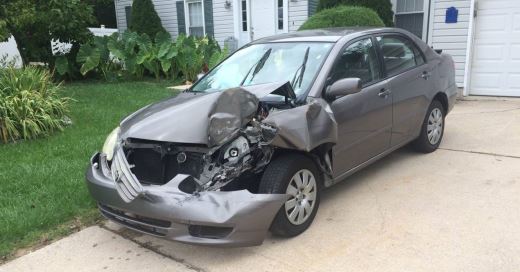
136,54
30,105
144,18
343,16
382,7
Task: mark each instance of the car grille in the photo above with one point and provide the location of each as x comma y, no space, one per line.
127,184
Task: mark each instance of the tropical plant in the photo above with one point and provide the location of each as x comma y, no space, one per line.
96,56
30,104
342,16
144,18
136,53
382,7
197,55
125,49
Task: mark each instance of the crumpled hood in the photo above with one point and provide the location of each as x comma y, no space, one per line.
208,119
197,118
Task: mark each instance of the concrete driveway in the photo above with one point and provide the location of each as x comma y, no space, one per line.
457,209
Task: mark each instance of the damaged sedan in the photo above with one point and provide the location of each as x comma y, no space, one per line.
248,148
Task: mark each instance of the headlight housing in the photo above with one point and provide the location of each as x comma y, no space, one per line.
110,143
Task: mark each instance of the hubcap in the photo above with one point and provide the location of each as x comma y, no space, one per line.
434,129
302,189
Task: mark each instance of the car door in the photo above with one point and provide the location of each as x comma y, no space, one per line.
365,118
409,79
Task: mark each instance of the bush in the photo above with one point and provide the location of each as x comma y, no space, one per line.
136,54
343,16
29,104
382,7
144,18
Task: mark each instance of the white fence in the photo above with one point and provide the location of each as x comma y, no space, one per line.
9,48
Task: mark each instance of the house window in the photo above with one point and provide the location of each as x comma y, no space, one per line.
244,15
280,14
409,15
195,19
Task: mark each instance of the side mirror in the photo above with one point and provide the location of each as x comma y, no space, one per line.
343,87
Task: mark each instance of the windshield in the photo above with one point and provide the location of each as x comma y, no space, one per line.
297,63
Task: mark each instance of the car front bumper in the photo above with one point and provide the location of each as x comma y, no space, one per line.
231,218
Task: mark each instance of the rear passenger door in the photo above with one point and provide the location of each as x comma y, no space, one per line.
409,79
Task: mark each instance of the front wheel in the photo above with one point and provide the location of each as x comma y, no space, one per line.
432,129
297,176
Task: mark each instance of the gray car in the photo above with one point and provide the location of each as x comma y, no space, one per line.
249,147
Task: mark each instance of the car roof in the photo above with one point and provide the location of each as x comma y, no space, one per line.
323,35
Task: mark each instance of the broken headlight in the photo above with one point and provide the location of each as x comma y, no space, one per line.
110,143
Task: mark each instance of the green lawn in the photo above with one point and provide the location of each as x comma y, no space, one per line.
42,188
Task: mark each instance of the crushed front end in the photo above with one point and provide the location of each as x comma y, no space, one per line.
187,168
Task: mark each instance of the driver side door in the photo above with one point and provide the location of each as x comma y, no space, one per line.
364,118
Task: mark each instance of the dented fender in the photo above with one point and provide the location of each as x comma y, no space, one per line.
305,127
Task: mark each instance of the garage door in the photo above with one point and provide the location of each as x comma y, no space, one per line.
496,52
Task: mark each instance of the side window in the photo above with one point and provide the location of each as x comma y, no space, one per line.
399,54
357,60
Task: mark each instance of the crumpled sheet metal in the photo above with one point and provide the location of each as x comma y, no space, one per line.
230,112
249,214
304,127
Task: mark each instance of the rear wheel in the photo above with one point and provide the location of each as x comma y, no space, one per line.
432,129
297,176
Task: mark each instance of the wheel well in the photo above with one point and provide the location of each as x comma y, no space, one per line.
317,155
443,98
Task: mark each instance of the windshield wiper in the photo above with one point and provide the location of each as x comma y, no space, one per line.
301,70
257,66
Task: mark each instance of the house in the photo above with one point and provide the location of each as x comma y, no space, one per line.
483,36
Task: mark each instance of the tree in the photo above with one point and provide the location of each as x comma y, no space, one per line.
104,11
343,16
382,7
144,18
34,23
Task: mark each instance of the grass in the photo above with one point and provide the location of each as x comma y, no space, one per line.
42,189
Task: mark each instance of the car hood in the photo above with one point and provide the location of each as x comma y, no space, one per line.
198,118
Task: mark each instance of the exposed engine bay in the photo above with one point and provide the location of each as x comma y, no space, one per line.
238,133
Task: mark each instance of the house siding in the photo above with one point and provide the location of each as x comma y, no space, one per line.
222,21
313,7
451,38
298,14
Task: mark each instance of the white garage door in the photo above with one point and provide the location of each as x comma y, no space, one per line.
496,52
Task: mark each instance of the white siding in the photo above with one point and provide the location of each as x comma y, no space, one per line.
298,14
120,13
451,38
165,9
223,23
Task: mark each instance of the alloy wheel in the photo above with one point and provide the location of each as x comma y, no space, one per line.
435,124
302,190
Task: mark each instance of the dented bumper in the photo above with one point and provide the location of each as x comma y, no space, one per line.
234,218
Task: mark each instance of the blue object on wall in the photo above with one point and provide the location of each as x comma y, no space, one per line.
452,15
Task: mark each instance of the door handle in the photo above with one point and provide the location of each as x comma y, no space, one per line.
384,92
425,75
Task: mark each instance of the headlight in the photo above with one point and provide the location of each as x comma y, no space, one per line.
110,143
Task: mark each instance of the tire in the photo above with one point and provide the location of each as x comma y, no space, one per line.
277,177
427,143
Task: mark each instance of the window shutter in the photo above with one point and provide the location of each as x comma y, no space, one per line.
128,14
208,17
312,7
181,21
